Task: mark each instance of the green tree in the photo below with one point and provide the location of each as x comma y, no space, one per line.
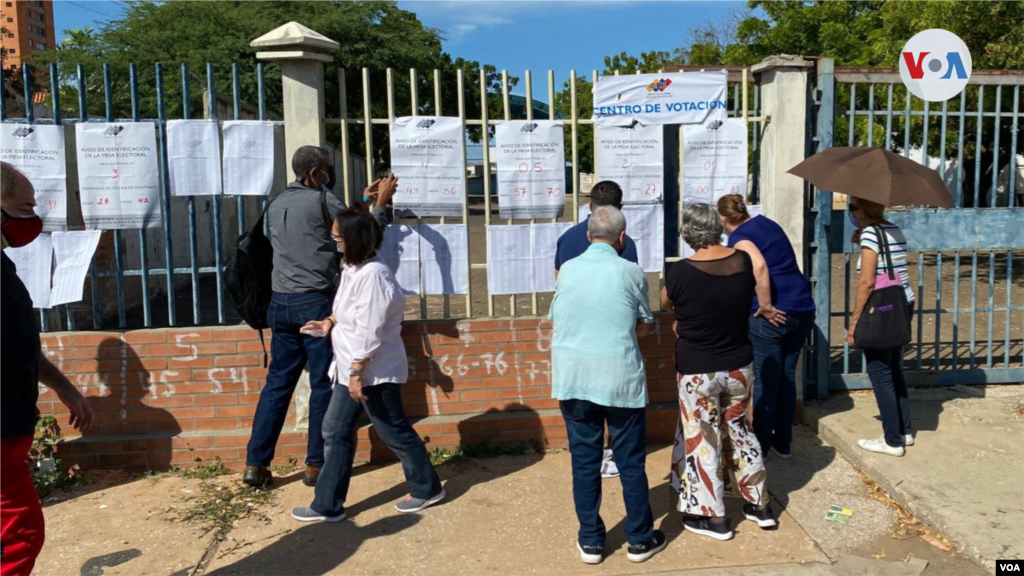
872,34
372,34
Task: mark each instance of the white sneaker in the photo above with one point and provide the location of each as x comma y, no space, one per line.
878,445
908,439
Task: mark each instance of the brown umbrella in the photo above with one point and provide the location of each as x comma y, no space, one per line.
875,174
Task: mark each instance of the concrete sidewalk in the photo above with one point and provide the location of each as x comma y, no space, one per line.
965,474
504,516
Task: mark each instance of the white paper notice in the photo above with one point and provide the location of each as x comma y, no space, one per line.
633,157
646,226
531,169
520,258
118,175
73,253
714,160
193,157
543,245
34,263
38,153
509,263
401,252
248,157
674,98
443,251
427,155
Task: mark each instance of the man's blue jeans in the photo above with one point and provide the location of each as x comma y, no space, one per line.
584,423
290,351
776,353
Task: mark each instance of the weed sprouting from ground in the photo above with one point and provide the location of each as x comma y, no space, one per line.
220,507
200,470
286,469
48,472
441,456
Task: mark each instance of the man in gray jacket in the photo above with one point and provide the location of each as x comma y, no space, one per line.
303,282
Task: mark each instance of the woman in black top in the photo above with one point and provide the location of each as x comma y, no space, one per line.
711,294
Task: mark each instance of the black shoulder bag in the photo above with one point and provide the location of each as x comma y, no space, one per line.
885,321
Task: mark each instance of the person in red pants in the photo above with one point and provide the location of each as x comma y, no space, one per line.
22,368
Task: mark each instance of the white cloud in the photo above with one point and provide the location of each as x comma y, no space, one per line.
460,20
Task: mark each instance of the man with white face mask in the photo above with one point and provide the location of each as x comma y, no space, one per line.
22,368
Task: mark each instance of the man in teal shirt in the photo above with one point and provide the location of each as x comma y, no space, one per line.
598,376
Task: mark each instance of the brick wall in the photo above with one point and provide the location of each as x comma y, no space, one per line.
166,396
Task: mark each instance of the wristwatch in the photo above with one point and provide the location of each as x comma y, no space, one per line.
354,372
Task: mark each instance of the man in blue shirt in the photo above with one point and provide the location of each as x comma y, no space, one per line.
574,241
598,376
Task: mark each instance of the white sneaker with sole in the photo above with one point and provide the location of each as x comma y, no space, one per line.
879,446
590,554
908,439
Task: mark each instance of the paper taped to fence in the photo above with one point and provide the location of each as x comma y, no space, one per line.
632,157
435,252
248,157
444,250
38,153
645,225
714,160
73,252
118,175
428,156
521,258
401,252
34,263
648,99
531,169
193,157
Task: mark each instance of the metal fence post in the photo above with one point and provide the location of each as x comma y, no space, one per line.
821,265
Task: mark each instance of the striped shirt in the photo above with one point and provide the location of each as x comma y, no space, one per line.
897,247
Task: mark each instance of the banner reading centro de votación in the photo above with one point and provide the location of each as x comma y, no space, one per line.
677,98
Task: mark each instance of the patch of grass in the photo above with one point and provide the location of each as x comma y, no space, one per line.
286,469
200,470
221,507
440,456
486,449
48,472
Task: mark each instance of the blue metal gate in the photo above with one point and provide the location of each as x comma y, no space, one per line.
967,262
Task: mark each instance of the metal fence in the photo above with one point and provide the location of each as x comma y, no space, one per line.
744,103
209,224
972,141
110,269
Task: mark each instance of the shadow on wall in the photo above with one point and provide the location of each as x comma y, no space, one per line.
125,407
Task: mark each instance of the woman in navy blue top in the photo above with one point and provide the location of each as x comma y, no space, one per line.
783,313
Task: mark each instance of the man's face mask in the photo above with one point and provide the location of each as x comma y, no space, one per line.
21,231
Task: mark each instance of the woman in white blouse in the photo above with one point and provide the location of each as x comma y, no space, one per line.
369,365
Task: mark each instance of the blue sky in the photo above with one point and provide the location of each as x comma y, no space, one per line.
520,35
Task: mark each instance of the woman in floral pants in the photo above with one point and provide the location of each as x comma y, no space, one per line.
710,294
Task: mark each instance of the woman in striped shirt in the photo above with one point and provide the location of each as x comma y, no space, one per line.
885,367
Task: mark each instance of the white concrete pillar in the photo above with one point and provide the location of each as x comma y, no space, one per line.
784,97
301,53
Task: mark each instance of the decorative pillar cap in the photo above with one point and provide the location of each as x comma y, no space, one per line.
293,41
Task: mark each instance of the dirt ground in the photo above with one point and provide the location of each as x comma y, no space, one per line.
505,515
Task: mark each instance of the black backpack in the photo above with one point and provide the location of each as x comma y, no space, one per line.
247,277
247,274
